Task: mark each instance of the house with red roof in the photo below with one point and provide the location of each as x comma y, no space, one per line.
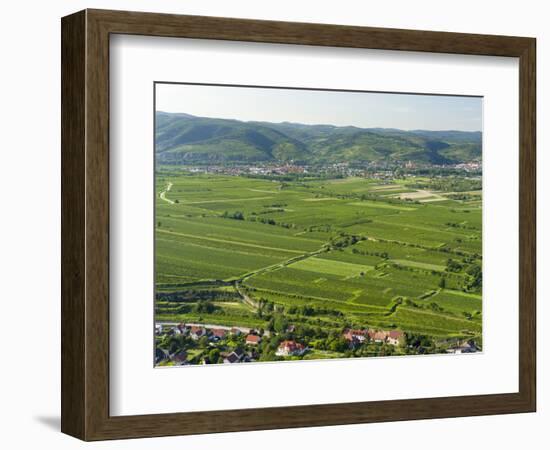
253,339
392,337
377,336
218,333
395,337
355,336
289,348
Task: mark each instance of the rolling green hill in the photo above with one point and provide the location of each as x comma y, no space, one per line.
186,139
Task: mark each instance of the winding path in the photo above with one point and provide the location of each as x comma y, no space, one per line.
162,195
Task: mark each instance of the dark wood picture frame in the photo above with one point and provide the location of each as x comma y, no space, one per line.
85,224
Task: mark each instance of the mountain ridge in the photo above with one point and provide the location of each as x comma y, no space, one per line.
185,138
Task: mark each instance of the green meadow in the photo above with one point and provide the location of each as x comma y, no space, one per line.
324,253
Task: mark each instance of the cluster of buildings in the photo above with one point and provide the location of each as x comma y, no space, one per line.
286,348
197,331
473,166
268,169
182,357
396,337
381,170
216,333
283,169
392,337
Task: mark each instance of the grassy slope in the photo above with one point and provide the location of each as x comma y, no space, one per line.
182,138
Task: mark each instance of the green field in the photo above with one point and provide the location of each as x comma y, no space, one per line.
346,248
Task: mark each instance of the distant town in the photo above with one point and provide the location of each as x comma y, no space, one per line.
375,170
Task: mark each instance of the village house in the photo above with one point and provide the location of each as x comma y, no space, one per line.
395,337
218,333
158,328
233,357
377,336
356,336
253,339
289,348
463,347
392,337
197,332
179,358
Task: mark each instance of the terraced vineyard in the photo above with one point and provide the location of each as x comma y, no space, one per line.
319,253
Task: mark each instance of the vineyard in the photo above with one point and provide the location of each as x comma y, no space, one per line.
327,254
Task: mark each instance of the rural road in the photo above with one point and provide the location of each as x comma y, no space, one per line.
162,195
204,325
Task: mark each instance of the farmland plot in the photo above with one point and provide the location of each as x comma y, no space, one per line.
325,254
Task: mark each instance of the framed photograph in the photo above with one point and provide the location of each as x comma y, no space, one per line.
273,225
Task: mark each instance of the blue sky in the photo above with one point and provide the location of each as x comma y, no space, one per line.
361,109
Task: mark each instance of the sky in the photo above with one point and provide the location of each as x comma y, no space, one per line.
361,109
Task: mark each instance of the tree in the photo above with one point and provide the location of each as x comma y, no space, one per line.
174,346
205,307
203,341
214,355
237,215
475,273
442,283
280,324
339,345
453,266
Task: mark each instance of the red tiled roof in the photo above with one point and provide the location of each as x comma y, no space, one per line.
291,345
253,338
394,334
378,335
358,332
352,334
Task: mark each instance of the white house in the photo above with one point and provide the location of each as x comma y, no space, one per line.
288,348
197,332
464,347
